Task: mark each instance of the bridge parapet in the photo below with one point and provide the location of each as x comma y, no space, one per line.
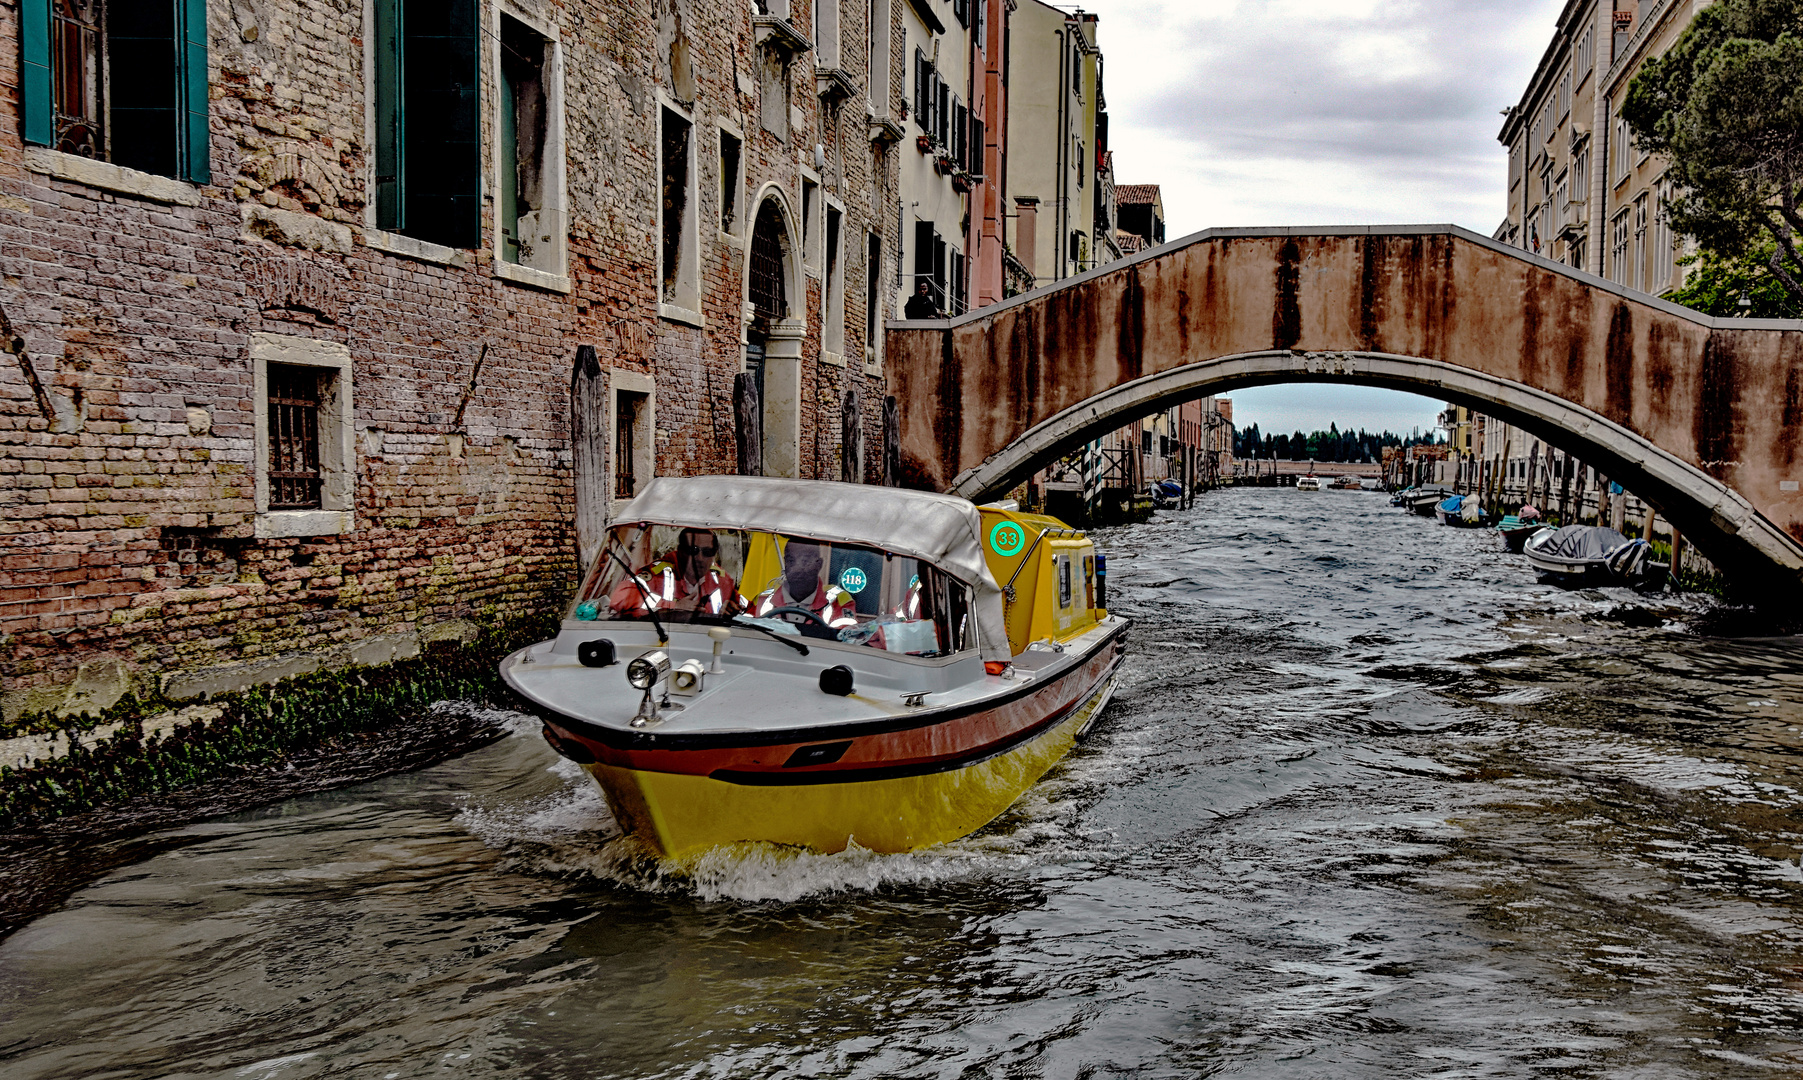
1701,417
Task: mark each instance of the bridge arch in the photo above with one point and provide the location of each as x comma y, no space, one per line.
1701,417
1722,523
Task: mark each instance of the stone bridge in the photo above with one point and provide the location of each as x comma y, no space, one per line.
1701,417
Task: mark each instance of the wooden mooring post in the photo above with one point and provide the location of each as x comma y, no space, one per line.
588,451
748,414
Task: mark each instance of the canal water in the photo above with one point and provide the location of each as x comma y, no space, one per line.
1370,802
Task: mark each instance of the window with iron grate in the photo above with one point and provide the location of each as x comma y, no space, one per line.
295,394
769,294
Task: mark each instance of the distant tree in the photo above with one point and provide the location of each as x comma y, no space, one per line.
1716,284
1725,105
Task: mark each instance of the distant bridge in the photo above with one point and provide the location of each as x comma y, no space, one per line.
1700,417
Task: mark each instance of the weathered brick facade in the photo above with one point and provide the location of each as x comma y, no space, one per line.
132,547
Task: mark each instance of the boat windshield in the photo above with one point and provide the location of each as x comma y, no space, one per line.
789,585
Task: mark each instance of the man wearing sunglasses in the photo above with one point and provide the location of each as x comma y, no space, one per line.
686,579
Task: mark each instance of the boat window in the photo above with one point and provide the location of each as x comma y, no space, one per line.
1064,581
785,584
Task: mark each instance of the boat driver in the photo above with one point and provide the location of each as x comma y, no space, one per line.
686,579
800,586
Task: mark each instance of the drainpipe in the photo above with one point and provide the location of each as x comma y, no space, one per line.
1599,135
1064,138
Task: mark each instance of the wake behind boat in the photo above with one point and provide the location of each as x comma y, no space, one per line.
901,668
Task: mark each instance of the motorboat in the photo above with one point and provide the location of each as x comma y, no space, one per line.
1515,531
1424,501
1590,554
1165,494
1345,483
819,664
1308,483
1460,511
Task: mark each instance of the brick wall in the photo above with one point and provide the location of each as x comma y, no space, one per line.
128,523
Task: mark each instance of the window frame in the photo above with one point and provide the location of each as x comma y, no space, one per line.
832,282
724,130
337,447
644,447
683,303
551,272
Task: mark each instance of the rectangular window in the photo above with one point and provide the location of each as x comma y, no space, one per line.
1664,255
923,255
942,109
877,84
1639,266
731,179
960,133
1618,248
294,473
810,222
1623,136
118,81
873,311
961,11
1564,96
628,410
674,179
826,33
428,161
832,288
957,303
1586,55
979,147
923,92
528,224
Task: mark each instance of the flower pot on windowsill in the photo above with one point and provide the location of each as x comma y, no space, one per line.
925,142
961,182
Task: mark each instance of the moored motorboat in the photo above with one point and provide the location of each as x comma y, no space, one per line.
901,668
1425,500
1590,554
1516,530
1460,511
1345,483
1308,483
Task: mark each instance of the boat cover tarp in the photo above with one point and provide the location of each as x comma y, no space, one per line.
943,530
1578,543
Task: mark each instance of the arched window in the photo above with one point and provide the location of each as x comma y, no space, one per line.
769,290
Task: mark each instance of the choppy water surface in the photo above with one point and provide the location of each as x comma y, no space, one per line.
1370,803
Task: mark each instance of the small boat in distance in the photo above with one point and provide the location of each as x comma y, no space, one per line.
1308,483
1423,500
1460,511
1345,483
816,664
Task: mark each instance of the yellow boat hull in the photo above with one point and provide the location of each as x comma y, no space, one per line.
683,815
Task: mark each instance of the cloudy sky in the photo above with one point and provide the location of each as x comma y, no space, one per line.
1318,112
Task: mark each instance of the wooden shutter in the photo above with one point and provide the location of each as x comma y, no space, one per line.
34,32
145,86
391,127
440,73
196,144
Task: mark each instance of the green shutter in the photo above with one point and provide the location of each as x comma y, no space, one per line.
443,158
391,127
196,145
34,30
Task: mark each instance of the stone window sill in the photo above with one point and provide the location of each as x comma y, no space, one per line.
682,315
833,358
537,279
109,177
281,523
410,248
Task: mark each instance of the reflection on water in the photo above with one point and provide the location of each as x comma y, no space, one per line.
1370,802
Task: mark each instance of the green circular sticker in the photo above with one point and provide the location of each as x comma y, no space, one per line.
853,580
1007,538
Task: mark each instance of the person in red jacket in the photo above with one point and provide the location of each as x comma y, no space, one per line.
687,579
801,587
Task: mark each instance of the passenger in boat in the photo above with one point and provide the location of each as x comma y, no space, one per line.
686,579
801,587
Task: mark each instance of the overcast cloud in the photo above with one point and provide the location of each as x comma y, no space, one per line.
1318,112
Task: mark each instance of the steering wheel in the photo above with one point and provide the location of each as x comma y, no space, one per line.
820,628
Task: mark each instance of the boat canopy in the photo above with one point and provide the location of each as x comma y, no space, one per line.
942,530
1580,543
